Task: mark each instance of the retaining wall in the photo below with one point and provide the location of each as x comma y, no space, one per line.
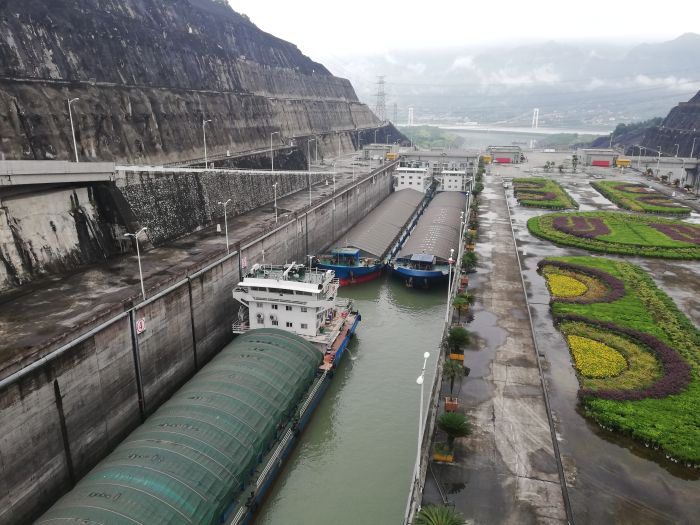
61,417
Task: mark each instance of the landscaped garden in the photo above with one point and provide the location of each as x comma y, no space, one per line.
542,193
616,232
637,197
636,356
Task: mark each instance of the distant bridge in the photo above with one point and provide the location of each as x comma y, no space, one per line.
29,172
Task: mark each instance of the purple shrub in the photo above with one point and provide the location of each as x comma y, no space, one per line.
615,286
587,227
659,200
679,232
676,371
633,188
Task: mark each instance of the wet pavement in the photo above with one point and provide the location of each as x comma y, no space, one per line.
610,478
506,471
38,316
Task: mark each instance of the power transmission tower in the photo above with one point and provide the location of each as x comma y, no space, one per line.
380,108
535,118
396,113
410,116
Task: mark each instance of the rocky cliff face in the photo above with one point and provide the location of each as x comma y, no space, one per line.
148,72
681,126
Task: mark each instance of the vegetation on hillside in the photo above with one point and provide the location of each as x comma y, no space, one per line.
432,137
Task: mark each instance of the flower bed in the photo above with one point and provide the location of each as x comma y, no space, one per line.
595,359
601,286
623,233
679,232
540,193
587,227
655,398
561,285
635,197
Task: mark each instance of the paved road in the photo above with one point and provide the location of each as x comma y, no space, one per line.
506,471
40,312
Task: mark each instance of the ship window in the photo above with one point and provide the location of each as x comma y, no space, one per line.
304,326
304,309
261,320
259,305
289,325
288,308
274,323
274,307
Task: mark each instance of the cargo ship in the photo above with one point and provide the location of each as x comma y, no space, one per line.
369,244
424,259
212,451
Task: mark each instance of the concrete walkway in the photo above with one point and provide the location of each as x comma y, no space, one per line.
37,315
506,471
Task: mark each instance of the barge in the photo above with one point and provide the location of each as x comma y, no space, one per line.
210,453
368,245
425,258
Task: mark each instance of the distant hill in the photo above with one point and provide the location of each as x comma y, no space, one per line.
585,84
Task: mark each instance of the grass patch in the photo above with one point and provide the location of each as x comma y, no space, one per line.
636,197
542,193
656,400
623,233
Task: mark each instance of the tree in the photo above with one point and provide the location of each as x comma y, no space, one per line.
452,370
561,168
458,336
454,425
469,261
438,515
461,303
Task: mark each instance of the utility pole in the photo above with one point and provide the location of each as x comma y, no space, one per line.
380,108
72,129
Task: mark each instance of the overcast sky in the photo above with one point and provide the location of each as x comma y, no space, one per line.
326,29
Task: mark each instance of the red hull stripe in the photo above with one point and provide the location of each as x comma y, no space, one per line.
362,279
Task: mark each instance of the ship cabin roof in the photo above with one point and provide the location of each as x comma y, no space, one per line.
346,252
428,258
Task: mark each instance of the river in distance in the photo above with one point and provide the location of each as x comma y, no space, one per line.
355,459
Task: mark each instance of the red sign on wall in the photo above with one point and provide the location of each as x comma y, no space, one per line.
604,163
140,325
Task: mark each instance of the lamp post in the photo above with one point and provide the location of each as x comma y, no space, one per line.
274,186
639,156
677,146
658,162
692,150
224,204
375,136
272,155
138,257
419,381
308,159
450,261
204,133
72,128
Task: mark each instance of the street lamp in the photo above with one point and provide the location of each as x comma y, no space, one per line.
272,155
72,128
274,186
204,132
138,257
420,380
375,136
308,160
224,204
692,150
450,261
677,146
658,162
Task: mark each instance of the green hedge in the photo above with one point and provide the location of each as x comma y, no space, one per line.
561,199
670,423
630,200
629,235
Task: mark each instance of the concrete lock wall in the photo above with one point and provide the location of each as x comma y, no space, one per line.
62,417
